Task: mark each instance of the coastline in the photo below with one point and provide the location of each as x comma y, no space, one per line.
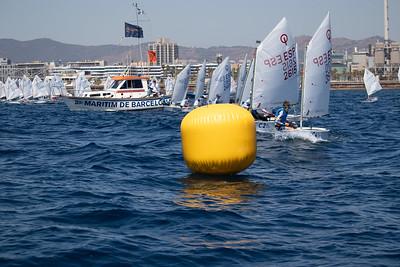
335,85
359,85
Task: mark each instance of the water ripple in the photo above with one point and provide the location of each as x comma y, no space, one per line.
111,189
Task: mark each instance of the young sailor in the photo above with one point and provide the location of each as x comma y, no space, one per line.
281,117
262,114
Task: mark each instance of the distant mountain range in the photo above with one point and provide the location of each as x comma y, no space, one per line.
50,50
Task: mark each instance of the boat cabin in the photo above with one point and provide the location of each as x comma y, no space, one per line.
123,87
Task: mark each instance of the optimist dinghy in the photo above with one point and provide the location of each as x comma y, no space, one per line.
372,85
316,85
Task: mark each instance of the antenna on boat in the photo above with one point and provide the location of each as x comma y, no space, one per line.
138,12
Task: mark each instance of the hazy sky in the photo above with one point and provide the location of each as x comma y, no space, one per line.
199,23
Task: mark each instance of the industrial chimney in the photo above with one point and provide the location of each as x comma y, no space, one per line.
386,20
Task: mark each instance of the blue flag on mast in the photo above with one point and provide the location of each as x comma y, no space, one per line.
133,31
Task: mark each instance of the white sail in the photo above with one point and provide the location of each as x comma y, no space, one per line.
232,91
245,97
77,85
398,74
81,84
55,84
221,83
201,78
39,88
26,87
275,78
2,90
181,86
317,72
108,83
48,84
371,83
13,92
241,80
169,84
59,84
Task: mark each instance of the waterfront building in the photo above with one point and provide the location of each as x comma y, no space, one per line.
31,69
359,60
4,61
339,65
386,59
167,52
7,69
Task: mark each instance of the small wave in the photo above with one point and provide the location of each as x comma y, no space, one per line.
292,135
10,152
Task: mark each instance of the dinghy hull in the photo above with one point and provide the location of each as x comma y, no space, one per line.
319,133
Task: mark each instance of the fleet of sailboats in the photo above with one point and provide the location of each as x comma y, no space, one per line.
24,90
272,78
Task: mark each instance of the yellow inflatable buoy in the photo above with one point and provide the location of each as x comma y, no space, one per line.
218,139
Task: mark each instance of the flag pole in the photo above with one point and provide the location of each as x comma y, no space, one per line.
139,12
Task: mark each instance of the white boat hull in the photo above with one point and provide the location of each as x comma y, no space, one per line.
304,132
265,126
113,104
370,100
178,108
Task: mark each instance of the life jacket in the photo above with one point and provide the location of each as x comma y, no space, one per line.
284,115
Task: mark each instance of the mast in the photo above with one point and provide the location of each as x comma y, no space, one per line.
258,42
302,86
138,12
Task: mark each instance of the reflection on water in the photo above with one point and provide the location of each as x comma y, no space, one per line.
216,192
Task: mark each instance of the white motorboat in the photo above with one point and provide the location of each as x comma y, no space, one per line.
127,93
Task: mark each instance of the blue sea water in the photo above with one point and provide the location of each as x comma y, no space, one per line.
112,189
